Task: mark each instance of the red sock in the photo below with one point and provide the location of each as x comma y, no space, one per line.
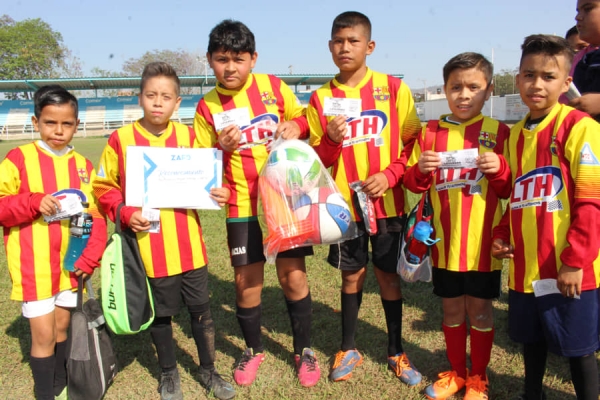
481,350
456,347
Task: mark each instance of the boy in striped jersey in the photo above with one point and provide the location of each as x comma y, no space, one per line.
466,206
175,257
550,228
273,111
34,248
372,148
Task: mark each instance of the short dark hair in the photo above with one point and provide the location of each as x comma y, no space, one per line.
159,68
548,45
53,95
350,19
571,32
231,35
469,60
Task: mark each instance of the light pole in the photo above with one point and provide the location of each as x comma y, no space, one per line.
424,89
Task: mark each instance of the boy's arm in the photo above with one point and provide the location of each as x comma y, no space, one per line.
500,181
294,112
206,137
328,150
501,247
414,180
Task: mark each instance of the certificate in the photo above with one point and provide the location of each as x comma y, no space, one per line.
350,108
459,159
159,177
237,116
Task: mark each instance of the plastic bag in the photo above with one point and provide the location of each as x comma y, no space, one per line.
299,202
366,206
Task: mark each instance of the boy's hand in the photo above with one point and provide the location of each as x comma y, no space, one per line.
569,280
376,185
288,130
79,272
49,205
429,161
589,103
488,162
220,195
137,223
336,129
501,249
229,138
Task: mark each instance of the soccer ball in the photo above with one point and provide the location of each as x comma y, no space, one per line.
294,166
328,213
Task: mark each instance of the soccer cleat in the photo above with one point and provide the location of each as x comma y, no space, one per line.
477,388
62,395
215,384
170,386
307,368
344,364
247,367
448,384
404,369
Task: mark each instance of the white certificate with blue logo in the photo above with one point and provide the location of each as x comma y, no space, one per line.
159,177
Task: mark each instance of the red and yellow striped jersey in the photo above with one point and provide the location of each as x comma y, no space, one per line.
374,142
465,202
179,246
554,207
268,100
35,249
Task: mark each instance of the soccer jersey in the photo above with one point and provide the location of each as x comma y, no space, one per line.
554,207
374,142
465,202
269,101
35,249
179,246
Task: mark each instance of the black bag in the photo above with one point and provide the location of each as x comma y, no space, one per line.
91,361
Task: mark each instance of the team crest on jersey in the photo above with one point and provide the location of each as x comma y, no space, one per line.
260,131
539,186
553,146
368,126
83,175
587,156
487,139
381,93
268,98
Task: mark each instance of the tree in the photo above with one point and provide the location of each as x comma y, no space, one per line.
504,82
103,73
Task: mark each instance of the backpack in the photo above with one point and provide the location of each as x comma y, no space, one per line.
421,212
127,299
91,361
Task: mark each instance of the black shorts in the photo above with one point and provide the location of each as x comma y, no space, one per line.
244,239
353,255
191,286
482,285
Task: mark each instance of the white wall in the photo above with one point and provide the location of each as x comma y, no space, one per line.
506,108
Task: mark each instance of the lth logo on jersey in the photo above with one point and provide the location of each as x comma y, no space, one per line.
367,127
459,178
83,175
260,131
487,139
381,93
268,98
536,187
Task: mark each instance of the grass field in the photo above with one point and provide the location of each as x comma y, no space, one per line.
423,340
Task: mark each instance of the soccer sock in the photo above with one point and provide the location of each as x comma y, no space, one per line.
584,373
162,336
249,320
300,312
456,347
60,367
350,305
203,331
534,355
481,350
42,370
393,320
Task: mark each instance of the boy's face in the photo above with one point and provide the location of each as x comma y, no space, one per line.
467,91
588,20
231,69
57,125
541,80
350,47
576,43
159,100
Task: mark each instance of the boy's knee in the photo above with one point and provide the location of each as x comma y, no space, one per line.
201,313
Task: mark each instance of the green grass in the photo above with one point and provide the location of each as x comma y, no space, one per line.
423,339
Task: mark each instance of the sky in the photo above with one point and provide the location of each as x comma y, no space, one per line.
415,38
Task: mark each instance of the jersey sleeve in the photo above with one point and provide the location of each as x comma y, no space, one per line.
501,182
414,180
328,150
294,111
206,137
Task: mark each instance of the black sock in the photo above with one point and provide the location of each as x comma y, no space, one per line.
42,370
162,336
393,320
584,373
60,367
300,312
350,306
534,355
203,330
249,320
